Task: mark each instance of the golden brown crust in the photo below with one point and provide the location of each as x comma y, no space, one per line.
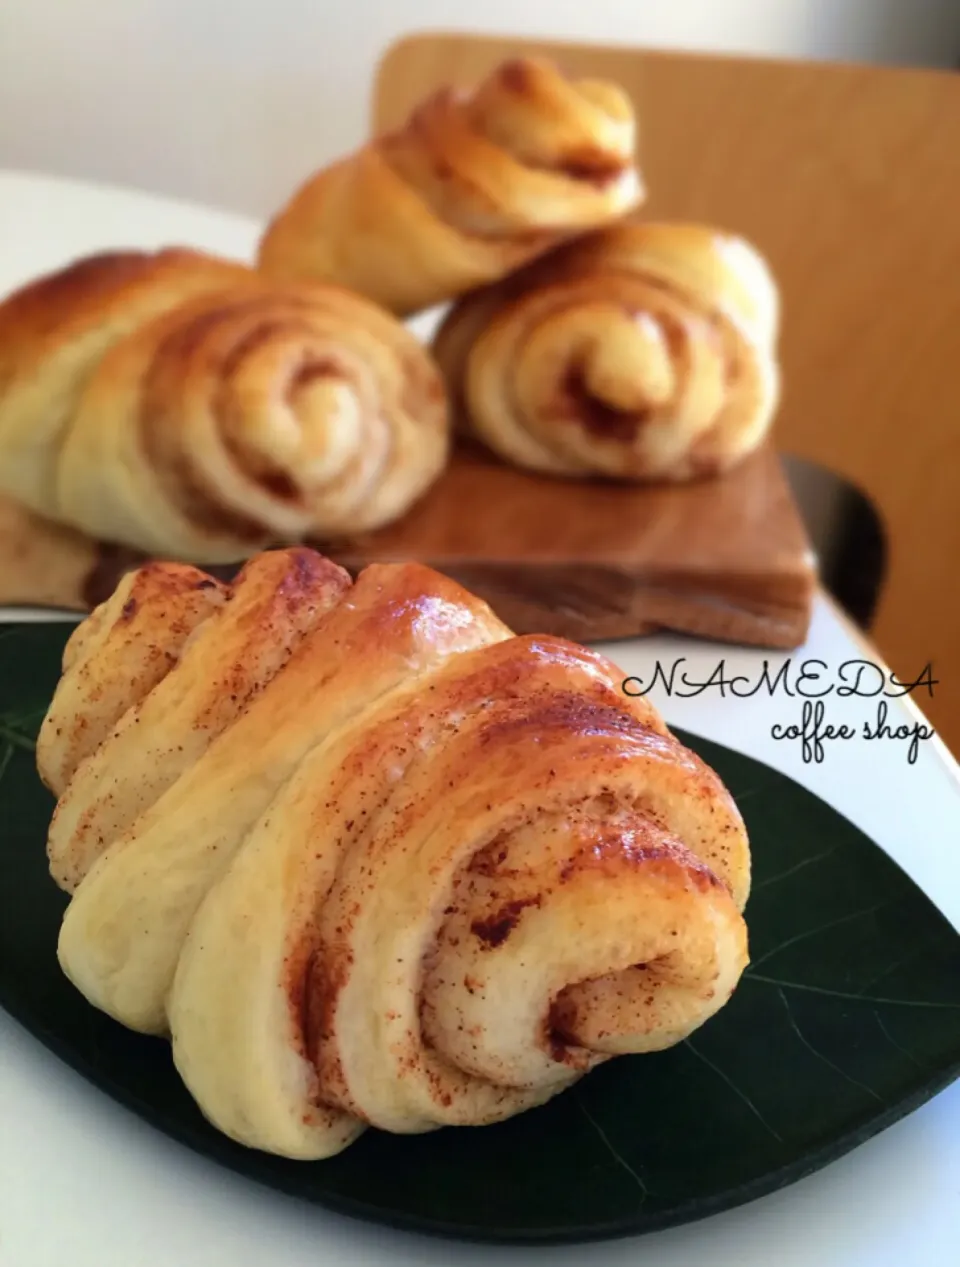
89,291
425,873
640,352
472,186
205,652
137,636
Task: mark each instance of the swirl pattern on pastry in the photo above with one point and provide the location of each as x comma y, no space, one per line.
472,186
189,409
644,352
54,332
428,874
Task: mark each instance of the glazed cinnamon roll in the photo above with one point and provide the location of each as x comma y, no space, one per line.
123,727
472,186
425,874
643,352
187,408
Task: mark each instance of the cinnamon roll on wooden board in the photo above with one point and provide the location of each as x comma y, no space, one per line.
183,406
168,420
642,352
473,185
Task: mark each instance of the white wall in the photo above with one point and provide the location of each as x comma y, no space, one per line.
231,102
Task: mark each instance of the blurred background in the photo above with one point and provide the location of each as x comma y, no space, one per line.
231,104
234,105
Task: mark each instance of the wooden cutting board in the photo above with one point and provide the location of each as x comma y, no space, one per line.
725,559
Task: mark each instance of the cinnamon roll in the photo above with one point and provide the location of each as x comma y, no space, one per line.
473,185
417,872
643,352
187,408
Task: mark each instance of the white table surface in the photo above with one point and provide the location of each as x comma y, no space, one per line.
84,1182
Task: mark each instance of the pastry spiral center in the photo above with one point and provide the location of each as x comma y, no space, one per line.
581,129
542,927
294,416
632,368
328,417
636,372
600,366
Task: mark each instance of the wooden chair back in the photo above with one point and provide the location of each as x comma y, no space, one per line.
848,178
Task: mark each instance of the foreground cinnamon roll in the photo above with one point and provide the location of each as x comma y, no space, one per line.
413,872
643,352
183,406
472,186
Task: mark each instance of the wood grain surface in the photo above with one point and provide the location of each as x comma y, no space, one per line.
725,558
848,178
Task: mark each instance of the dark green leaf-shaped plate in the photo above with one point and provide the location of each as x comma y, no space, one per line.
848,1018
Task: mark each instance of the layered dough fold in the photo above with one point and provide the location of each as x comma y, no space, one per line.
413,872
184,406
643,352
473,185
